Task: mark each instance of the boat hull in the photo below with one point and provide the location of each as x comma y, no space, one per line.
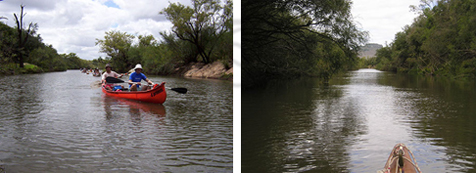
400,155
155,95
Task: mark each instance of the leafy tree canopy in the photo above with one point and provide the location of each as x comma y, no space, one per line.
116,45
440,41
288,38
202,24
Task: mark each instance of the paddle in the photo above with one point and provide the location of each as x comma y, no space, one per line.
116,80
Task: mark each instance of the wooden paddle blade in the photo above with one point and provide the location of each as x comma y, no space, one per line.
179,90
113,80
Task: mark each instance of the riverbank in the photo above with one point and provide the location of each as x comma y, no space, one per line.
215,70
13,69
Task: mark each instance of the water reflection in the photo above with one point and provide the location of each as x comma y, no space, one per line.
136,109
443,114
57,122
352,124
19,99
20,105
297,126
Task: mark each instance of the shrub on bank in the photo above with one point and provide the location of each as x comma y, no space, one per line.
12,69
31,68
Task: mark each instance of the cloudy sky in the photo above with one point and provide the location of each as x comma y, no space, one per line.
74,25
383,18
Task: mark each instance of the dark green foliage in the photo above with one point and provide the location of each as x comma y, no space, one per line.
297,38
124,55
213,43
47,58
204,25
39,56
182,51
72,61
22,51
117,46
7,42
201,33
441,41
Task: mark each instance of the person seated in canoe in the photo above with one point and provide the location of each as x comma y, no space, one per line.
110,73
96,72
136,77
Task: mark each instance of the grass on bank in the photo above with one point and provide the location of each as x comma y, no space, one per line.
12,69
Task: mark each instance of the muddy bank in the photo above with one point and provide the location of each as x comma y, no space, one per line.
215,70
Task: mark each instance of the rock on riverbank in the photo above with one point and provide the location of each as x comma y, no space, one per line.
215,70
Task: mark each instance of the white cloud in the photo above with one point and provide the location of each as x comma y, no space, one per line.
43,5
383,19
72,26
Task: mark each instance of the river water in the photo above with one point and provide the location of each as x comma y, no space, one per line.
62,122
352,124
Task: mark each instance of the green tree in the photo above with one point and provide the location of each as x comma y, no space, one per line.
287,38
440,41
72,61
203,24
47,58
99,63
116,45
182,52
156,59
41,57
146,40
7,42
23,37
136,52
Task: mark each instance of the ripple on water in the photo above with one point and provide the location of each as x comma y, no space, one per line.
59,123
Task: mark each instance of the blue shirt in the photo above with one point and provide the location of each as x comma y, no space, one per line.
134,77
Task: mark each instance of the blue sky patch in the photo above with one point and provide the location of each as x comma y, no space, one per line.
110,3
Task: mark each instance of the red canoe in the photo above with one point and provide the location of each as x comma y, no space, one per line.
155,95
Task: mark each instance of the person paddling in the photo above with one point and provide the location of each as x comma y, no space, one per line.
110,73
137,76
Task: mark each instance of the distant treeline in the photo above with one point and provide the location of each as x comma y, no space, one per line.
35,52
201,33
287,39
440,42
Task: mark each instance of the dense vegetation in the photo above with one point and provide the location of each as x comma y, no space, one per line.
290,38
26,52
440,42
201,33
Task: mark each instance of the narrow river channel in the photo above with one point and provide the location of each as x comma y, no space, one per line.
351,124
62,122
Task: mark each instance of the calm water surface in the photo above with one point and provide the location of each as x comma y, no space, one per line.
352,124
62,122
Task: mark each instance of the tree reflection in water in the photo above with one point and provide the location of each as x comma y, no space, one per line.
298,126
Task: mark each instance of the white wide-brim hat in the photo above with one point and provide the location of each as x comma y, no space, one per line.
138,66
